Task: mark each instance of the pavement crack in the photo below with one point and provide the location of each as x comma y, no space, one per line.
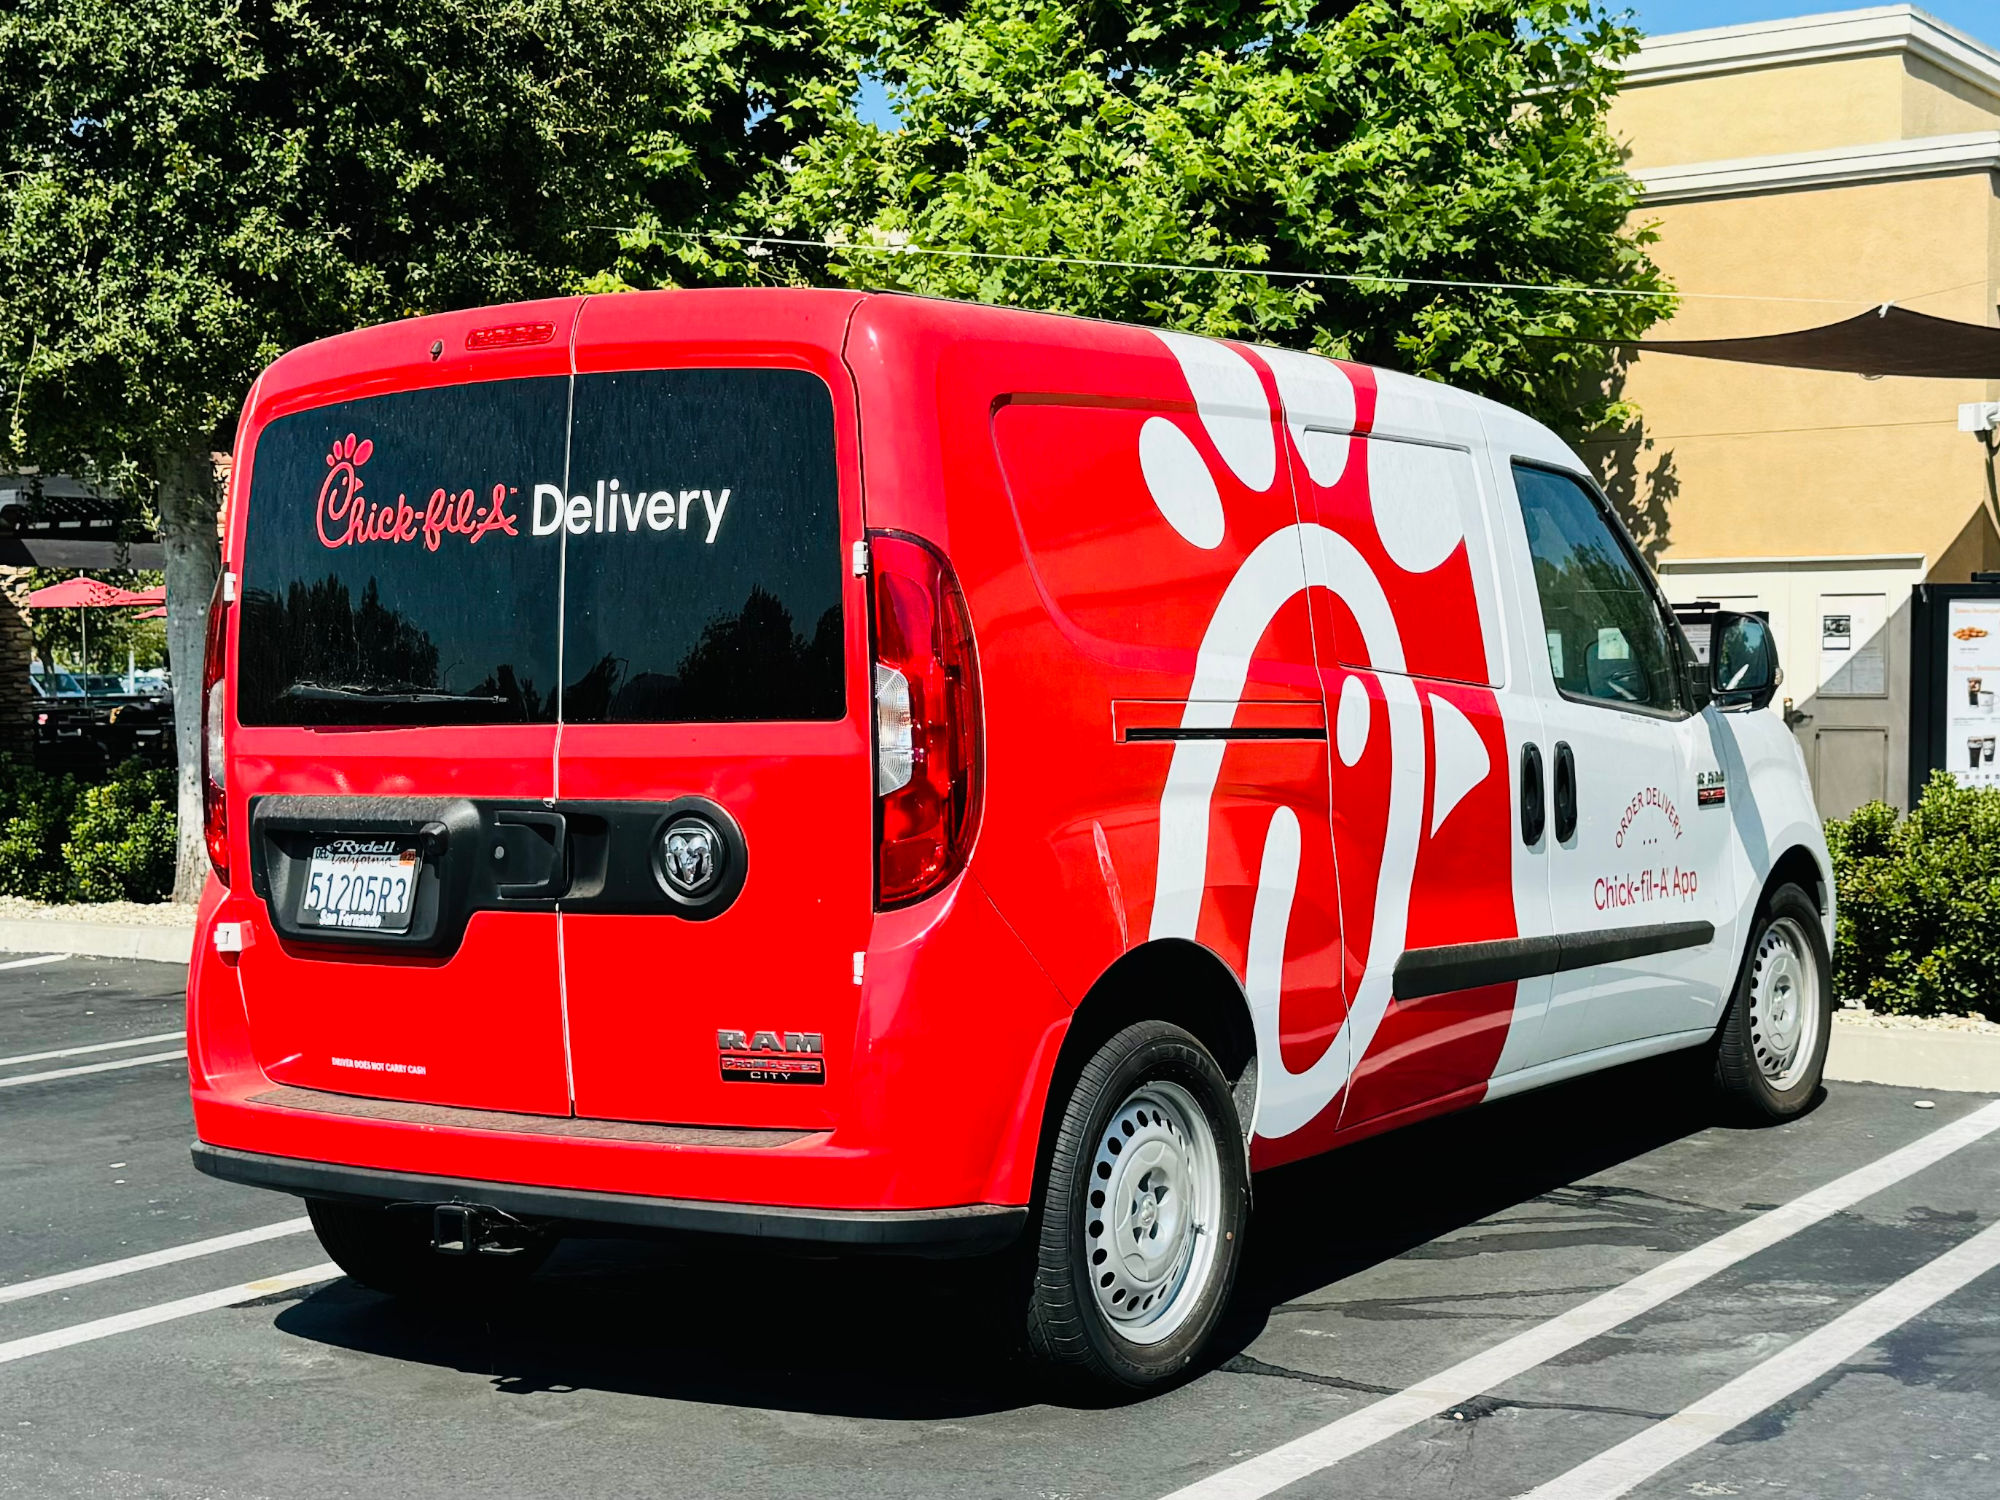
1465,1411
1243,1364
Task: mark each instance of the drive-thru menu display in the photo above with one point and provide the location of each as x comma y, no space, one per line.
1972,680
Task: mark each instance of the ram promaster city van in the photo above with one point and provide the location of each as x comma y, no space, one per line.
862,771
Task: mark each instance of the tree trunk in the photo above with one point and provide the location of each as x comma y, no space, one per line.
17,650
187,532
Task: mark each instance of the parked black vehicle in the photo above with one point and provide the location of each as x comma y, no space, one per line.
87,722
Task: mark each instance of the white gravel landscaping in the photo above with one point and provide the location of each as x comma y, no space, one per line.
1855,1015
117,913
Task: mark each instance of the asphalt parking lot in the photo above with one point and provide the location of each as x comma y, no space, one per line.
1592,1291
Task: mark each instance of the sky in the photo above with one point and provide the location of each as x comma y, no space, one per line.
1981,18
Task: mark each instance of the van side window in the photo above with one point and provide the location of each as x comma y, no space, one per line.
1606,637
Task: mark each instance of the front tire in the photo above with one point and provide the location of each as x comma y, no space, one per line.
1142,1219
1771,1050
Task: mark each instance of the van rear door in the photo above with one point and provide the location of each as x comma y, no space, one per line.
394,708
715,711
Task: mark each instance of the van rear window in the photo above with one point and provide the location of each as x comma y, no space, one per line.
657,546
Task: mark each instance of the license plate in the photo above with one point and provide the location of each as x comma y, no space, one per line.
360,883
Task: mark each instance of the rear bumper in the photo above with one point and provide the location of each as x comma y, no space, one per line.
974,1229
940,1119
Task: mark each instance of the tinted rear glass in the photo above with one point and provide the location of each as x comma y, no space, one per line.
380,583
408,556
704,568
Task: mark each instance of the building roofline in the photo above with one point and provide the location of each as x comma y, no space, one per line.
1877,31
1883,161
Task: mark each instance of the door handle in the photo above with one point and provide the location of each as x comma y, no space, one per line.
532,850
1532,806
1565,793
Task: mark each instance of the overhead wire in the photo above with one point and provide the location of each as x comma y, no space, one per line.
1104,263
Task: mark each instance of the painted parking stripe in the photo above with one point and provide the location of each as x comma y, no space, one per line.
163,1312
1621,1469
137,1041
62,1281
1358,1430
29,963
178,1054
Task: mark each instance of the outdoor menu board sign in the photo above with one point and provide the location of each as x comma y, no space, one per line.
1972,680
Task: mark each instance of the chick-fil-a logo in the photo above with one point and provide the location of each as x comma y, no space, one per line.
347,517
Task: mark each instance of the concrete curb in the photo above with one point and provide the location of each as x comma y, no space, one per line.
1967,1061
160,944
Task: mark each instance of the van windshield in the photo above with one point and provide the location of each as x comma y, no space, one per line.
658,546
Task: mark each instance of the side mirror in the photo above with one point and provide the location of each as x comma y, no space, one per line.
1740,658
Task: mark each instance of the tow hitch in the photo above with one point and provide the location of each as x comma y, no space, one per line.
475,1229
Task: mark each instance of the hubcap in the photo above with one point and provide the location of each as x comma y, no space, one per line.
1155,1200
1785,1009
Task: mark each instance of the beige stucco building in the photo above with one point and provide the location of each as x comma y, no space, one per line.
1803,171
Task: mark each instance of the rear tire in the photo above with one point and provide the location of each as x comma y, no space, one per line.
390,1251
1771,1049
1142,1218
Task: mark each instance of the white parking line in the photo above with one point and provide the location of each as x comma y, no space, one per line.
103,1067
137,1041
164,1312
1619,1470
1358,1430
64,1280
29,963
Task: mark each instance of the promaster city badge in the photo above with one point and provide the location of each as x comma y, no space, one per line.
1711,788
766,1057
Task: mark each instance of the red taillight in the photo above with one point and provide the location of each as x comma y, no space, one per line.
926,689
214,813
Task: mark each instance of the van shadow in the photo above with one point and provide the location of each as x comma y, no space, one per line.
912,1340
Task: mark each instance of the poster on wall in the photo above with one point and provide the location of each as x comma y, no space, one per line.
1972,678
1853,660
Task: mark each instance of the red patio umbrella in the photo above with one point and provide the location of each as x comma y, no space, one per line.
81,593
85,593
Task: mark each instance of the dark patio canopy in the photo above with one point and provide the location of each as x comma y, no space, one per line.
1888,340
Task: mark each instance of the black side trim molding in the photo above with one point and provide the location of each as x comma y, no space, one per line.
1422,972
975,1229
1582,949
1140,734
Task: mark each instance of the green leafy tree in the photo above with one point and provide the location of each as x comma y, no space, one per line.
1459,140
189,187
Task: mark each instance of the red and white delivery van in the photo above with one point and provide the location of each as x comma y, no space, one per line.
852,770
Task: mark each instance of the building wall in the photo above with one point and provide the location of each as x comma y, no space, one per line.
1823,498
1801,107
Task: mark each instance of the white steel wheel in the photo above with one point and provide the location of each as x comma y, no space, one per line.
1771,1048
1785,1003
1139,1224
1155,1199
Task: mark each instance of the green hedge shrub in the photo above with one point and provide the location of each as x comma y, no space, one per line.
1918,901
121,840
63,842
35,810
